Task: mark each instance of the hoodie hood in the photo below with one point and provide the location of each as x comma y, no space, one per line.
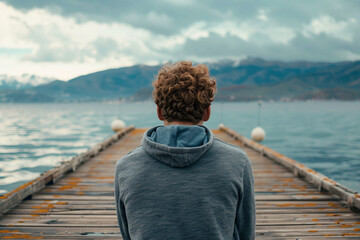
177,145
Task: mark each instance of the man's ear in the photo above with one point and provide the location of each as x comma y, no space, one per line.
159,113
207,113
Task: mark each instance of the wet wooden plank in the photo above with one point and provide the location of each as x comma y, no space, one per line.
81,204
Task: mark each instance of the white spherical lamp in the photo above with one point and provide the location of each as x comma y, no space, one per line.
258,134
117,125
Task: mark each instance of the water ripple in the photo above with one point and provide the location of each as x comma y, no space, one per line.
36,137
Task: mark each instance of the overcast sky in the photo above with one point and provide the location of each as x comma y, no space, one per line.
67,38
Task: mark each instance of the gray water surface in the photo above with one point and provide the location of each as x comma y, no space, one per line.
34,138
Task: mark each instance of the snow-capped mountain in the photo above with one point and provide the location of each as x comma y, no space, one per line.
22,82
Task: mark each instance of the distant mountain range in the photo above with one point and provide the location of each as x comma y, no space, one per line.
24,81
247,80
18,88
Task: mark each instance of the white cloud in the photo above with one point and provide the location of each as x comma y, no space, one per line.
328,25
196,31
63,47
262,15
66,46
281,35
242,31
10,29
352,56
180,2
246,29
60,70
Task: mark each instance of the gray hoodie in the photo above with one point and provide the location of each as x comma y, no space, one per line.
182,183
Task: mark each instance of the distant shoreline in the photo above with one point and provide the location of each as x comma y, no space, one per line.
216,101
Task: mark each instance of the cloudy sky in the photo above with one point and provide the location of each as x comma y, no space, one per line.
67,38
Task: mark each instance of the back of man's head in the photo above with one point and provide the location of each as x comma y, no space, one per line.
183,92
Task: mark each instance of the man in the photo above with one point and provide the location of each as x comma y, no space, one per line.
182,183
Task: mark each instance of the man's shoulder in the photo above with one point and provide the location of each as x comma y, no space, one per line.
228,147
225,149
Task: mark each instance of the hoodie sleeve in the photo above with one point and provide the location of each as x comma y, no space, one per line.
120,208
245,215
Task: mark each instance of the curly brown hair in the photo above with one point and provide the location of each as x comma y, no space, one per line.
183,91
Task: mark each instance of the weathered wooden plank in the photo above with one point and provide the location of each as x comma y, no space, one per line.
279,216
335,218
74,211
110,220
259,204
270,197
111,206
91,191
55,211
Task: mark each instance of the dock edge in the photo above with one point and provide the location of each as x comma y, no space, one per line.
13,198
322,182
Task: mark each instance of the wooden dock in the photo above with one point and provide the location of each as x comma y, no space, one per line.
75,200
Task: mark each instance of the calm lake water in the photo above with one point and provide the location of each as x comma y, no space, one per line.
34,138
